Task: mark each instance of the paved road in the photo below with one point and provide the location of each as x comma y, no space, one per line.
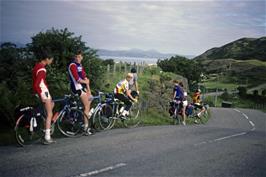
233,143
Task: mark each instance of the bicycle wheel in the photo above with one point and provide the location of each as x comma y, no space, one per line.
133,119
24,134
104,116
71,122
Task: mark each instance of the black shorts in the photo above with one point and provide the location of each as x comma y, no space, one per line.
80,92
198,106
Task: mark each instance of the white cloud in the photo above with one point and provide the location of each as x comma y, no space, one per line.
185,27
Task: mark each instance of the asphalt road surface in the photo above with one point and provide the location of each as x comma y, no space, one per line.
232,143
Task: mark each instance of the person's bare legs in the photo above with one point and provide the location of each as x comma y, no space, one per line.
184,116
49,105
86,104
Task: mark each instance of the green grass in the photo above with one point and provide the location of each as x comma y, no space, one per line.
253,62
152,117
219,85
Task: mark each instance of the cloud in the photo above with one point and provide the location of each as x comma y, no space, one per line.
185,27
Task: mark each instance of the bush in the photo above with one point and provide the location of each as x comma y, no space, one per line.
226,96
242,91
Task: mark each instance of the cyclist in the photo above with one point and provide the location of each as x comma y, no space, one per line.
184,104
40,87
80,84
197,103
133,83
122,93
178,96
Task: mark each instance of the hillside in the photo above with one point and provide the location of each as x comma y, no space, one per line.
250,72
242,49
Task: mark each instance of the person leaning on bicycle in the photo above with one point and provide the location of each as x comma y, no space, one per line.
40,87
80,85
123,93
197,102
178,96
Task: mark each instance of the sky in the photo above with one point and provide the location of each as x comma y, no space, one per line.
188,27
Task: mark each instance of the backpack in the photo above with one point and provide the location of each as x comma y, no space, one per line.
189,109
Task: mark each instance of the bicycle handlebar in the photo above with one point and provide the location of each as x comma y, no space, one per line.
26,108
63,99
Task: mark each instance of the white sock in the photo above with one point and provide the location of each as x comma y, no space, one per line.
47,134
125,113
86,126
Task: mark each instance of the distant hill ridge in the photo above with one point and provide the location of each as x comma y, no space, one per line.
241,49
136,53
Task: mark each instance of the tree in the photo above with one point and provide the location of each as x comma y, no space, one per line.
182,66
16,65
242,91
15,76
263,92
63,45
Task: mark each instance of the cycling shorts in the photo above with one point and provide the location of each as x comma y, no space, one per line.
45,95
199,106
80,92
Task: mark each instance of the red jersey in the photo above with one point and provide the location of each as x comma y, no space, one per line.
39,79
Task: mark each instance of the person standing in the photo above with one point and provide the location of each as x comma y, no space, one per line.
178,93
133,83
40,87
184,104
80,85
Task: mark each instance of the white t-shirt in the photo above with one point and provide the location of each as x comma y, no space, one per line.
133,80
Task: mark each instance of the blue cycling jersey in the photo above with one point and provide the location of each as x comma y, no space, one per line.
179,92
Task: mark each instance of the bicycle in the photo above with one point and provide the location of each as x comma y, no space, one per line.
192,112
29,126
113,111
102,114
174,111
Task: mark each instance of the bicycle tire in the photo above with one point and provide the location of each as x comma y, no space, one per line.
134,118
71,123
24,135
94,121
104,116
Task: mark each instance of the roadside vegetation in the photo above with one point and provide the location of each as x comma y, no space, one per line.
16,80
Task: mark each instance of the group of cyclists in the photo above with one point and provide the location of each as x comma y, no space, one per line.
180,99
126,91
80,85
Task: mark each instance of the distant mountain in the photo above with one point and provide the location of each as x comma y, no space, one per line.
242,49
135,53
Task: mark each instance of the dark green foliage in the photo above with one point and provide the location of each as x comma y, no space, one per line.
190,69
108,62
15,74
225,96
255,92
62,43
16,66
263,92
242,91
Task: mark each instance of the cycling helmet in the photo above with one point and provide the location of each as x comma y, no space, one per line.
133,70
